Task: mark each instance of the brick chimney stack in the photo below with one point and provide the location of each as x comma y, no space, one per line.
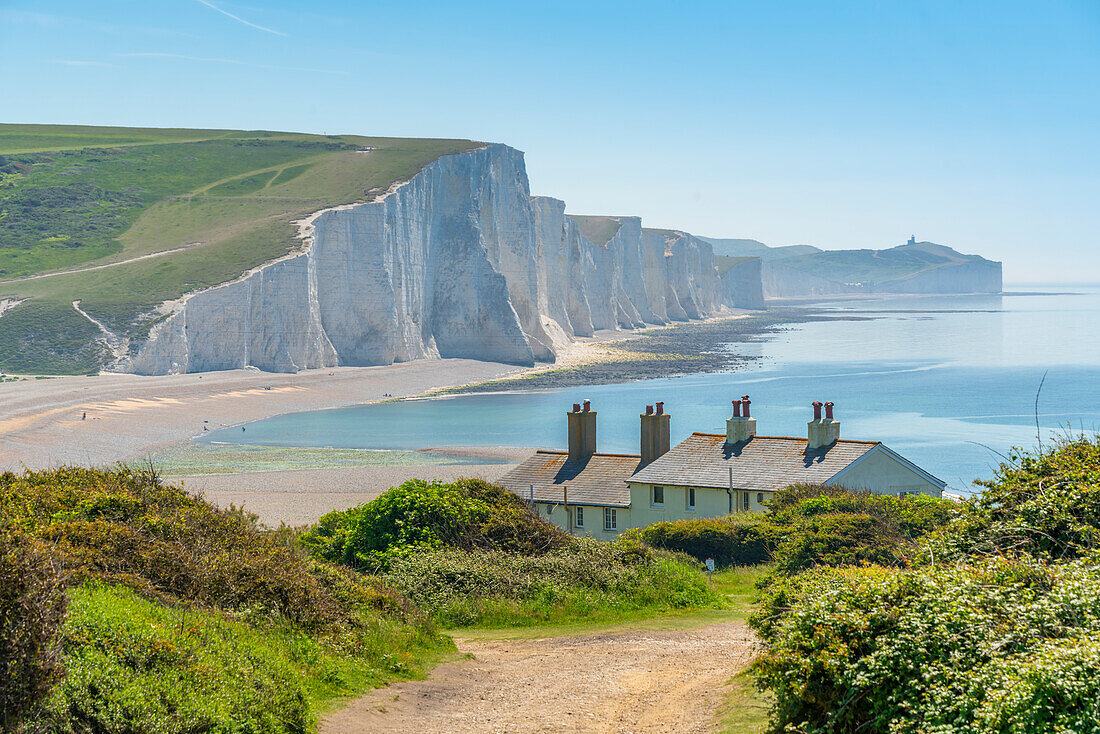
741,427
655,434
582,431
822,432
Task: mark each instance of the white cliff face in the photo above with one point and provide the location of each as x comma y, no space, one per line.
460,261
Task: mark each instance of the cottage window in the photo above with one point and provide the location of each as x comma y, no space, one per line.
610,522
580,517
658,496
691,498
759,498
746,500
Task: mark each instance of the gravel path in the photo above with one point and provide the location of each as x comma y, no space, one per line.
650,681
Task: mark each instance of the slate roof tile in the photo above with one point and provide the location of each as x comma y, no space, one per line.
763,463
599,481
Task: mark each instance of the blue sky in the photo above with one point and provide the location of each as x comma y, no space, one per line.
840,124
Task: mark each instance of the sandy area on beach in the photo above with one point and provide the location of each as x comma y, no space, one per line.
301,496
108,418
100,420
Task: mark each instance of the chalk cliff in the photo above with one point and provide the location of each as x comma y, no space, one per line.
460,261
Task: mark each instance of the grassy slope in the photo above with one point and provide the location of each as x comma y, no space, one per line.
878,266
183,617
727,262
597,229
223,201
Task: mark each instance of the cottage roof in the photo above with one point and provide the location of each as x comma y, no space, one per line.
763,463
599,480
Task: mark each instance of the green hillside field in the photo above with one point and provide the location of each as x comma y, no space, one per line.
123,219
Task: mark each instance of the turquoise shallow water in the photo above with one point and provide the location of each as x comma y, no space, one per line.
948,381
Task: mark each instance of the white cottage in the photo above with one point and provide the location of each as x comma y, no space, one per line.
706,475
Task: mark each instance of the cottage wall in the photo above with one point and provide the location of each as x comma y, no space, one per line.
881,473
557,515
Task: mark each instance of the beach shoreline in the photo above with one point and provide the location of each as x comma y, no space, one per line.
111,418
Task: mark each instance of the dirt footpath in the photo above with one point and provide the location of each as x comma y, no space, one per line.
649,681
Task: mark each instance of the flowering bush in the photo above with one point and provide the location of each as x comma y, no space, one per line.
1002,637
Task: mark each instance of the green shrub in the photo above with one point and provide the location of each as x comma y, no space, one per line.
469,514
1046,505
587,580
842,539
124,526
32,607
913,515
1004,637
190,618
471,553
933,649
731,541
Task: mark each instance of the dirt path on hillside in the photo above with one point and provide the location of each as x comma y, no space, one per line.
89,268
638,681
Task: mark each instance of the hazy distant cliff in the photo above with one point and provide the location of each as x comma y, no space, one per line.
460,261
916,267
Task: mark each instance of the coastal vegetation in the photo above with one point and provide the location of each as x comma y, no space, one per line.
179,616
992,623
130,605
198,207
807,526
474,555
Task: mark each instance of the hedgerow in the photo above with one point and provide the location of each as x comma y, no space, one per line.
730,541
808,525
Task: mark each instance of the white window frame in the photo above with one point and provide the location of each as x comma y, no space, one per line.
653,496
578,518
690,499
610,519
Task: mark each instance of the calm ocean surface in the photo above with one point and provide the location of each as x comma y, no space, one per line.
948,381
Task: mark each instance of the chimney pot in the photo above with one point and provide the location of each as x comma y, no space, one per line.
745,405
576,407
660,408
587,406
649,410
736,408
821,434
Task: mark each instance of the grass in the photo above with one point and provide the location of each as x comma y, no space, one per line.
185,617
597,229
208,205
727,263
746,710
129,659
872,266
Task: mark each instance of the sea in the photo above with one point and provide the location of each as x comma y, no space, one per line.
953,383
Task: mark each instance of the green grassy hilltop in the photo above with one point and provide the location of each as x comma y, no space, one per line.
122,219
